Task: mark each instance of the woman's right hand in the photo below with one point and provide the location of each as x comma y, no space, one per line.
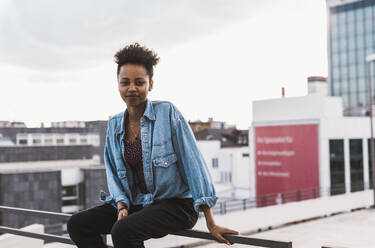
122,213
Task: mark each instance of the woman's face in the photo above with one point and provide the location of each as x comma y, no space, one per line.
133,84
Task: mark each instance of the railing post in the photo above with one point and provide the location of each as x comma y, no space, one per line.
244,204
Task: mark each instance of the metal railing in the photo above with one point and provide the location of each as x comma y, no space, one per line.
235,239
228,206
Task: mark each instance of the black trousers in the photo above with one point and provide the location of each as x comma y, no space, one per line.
142,223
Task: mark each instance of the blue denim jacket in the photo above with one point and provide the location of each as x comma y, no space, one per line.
173,166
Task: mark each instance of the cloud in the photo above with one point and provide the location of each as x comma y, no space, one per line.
59,35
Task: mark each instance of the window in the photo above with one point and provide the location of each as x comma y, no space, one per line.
360,42
72,195
60,141
37,141
337,167
362,84
83,140
353,98
352,72
48,141
362,98
70,202
370,162
343,43
215,163
368,13
226,176
72,141
356,165
360,28
69,191
359,14
369,42
22,141
335,46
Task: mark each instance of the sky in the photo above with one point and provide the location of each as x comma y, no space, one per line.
217,56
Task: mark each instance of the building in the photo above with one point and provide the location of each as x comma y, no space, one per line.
227,137
306,143
197,126
226,153
317,85
58,186
63,141
351,37
11,124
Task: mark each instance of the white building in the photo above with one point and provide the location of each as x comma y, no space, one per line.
229,167
306,141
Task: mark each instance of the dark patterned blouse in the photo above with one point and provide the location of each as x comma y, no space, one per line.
133,155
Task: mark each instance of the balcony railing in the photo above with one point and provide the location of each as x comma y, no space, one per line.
235,239
225,207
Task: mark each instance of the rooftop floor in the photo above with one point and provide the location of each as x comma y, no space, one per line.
346,230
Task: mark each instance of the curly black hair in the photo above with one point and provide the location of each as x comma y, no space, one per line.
139,55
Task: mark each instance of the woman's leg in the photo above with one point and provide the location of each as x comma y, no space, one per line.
155,221
85,227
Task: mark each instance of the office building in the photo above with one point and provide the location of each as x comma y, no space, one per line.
351,37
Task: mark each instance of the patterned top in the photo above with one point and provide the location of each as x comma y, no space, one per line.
133,155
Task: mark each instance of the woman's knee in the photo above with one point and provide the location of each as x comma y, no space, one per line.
74,223
121,230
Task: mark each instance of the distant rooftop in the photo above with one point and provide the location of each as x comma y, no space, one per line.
335,3
227,137
316,78
43,166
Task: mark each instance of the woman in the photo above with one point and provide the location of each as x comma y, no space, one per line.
157,178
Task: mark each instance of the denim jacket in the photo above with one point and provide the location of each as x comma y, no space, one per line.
173,166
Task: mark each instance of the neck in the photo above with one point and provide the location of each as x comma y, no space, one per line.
136,112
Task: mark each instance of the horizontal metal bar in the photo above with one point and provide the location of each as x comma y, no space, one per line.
187,233
31,212
236,239
45,237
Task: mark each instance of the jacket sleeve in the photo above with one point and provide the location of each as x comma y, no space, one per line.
113,181
194,168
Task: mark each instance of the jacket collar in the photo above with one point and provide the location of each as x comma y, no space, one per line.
149,113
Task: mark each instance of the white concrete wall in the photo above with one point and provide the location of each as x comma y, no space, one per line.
210,149
317,87
231,161
297,108
71,176
239,166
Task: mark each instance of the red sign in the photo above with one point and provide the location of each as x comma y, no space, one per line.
286,160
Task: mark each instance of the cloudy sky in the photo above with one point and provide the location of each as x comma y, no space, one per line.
217,56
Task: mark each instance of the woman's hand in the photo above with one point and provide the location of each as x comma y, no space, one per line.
122,213
215,230
218,231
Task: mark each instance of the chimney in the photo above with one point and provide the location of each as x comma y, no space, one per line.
317,85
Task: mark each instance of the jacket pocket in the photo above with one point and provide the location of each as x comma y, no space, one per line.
165,161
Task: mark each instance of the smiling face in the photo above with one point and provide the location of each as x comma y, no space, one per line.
134,84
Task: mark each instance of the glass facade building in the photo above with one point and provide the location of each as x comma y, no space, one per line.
351,37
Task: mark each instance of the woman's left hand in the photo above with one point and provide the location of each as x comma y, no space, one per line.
218,231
